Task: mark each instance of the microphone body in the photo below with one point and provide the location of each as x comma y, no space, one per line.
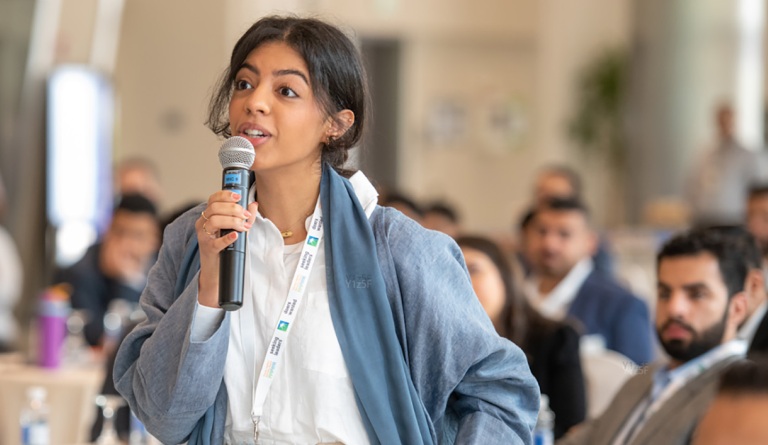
236,156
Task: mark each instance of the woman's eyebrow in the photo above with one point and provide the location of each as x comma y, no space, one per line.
277,73
291,72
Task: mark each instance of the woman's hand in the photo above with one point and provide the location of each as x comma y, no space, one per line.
223,212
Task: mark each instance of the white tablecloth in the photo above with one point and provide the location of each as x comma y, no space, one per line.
71,398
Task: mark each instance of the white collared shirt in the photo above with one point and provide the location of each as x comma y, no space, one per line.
312,399
556,303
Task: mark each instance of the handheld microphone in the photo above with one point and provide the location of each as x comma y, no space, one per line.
236,156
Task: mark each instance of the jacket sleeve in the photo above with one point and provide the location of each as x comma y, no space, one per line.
476,386
581,434
168,380
632,334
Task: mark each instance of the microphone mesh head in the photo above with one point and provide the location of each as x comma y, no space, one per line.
237,151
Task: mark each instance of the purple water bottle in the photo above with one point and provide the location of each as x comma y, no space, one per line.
52,320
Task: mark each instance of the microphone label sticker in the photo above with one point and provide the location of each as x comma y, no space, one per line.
232,178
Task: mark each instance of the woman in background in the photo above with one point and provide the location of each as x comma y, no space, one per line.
389,345
552,347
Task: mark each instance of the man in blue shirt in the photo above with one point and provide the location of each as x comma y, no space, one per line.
565,283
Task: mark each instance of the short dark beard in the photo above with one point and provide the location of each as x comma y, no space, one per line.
699,344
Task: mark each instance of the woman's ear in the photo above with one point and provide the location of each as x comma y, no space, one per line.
340,123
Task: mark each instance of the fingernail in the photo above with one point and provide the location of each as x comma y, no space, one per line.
247,214
232,236
235,196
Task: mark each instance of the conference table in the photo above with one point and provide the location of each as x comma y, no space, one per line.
71,394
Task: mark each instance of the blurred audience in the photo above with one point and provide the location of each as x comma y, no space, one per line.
552,347
403,203
140,176
442,217
757,217
723,175
754,330
736,416
700,305
558,181
175,213
563,282
115,268
11,279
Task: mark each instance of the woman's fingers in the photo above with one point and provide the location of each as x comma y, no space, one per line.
224,212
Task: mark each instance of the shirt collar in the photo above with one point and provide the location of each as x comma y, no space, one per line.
665,376
555,304
365,191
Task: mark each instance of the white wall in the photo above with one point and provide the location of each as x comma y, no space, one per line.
477,56
169,57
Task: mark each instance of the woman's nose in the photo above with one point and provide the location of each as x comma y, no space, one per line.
258,100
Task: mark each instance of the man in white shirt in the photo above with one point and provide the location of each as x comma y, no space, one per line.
560,242
700,305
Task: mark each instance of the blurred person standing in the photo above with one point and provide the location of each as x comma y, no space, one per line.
700,304
116,267
11,279
137,175
389,344
722,177
559,181
556,181
564,282
552,347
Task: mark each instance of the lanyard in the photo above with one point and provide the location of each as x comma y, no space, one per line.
296,293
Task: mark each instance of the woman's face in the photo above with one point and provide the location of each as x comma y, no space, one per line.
486,281
273,106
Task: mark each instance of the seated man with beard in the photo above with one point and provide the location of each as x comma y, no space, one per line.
701,303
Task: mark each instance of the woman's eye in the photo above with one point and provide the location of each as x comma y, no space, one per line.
242,85
287,92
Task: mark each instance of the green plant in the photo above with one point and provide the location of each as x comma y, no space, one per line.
601,89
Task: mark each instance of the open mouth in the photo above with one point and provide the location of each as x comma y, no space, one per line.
253,133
